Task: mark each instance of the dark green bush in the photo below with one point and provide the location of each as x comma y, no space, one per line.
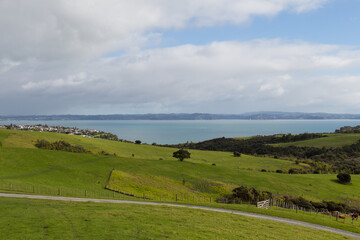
60,146
344,178
249,195
237,154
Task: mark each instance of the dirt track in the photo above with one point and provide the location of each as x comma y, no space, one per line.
255,215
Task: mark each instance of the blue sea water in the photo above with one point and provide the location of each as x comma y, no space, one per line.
179,131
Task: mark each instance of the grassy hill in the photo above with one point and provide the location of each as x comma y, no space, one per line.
332,140
22,163
138,169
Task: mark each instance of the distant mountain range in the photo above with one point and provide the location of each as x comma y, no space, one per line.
188,116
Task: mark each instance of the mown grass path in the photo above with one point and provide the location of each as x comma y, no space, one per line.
254,215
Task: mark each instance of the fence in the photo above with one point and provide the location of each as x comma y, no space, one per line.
335,215
186,198
103,193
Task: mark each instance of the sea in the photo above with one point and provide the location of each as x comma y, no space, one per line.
181,131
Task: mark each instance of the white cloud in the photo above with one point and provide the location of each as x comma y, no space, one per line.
58,84
6,65
56,48
218,77
84,29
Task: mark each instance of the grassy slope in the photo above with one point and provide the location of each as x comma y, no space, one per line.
89,171
140,184
80,171
333,140
25,139
38,219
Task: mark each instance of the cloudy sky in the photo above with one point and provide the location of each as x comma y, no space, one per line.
170,56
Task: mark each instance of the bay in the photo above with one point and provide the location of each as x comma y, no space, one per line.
179,131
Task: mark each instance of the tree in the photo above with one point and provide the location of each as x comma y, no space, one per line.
137,142
344,178
181,154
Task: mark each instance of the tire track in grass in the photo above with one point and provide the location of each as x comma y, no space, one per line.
45,226
69,222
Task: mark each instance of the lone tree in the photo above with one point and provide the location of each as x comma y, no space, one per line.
344,178
181,154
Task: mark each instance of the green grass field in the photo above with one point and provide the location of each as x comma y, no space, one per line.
149,185
332,140
28,165
153,169
40,219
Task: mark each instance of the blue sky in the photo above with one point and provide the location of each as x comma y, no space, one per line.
143,56
337,22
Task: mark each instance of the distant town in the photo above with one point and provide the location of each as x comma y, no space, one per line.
64,130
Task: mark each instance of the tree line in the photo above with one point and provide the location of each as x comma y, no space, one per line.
321,160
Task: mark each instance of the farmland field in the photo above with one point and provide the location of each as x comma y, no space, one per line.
41,219
139,169
332,140
29,165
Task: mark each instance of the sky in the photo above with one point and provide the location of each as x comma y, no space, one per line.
170,56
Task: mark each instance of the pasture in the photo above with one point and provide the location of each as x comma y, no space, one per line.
41,219
22,163
332,140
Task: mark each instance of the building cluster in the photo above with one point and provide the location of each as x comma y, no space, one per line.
54,129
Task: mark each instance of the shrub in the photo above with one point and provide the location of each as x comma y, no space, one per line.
295,171
344,178
104,153
237,154
137,142
279,171
263,170
60,146
249,195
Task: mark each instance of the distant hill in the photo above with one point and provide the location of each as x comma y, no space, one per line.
189,116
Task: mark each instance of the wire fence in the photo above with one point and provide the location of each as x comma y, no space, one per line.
103,193
182,198
322,213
